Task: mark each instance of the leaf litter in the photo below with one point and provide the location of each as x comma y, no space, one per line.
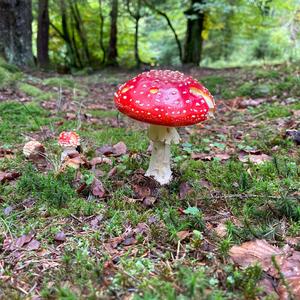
283,264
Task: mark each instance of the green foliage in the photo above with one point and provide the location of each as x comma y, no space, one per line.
55,190
235,33
7,76
18,118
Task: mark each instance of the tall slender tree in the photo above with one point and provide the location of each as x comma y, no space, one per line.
16,32
161,13
78,24
101,37
134,9
193,39
43,34
112,53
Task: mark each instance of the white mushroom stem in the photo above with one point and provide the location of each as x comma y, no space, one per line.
162,138
67,151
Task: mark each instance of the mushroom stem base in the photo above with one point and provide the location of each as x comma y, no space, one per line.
159,166
68,151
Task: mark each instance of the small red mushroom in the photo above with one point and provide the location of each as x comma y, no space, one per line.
69,141
164,99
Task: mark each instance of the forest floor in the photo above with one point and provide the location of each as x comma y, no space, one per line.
227,227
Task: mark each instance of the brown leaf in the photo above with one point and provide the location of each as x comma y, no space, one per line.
106,150
251,102
205,183
75,162
149,201
8,176
119,149
60,237
33,245
287,261
141,228
254,158
115,150
17,243
252,252
112,172
129,241
100,160
267,286
182,235
222,156
184,190
96,221
97,188
6,153
201,156
144,186
221,230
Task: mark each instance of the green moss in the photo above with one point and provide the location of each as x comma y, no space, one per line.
9,67
18,118
7,78
33,91
60,82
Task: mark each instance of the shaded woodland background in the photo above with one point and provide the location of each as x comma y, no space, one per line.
88,34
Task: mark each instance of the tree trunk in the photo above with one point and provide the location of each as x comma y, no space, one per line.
193,39
136,43
16,32
43,34
136,15
112,53
66,35
101,32
80,30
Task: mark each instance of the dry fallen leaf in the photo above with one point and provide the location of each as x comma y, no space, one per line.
119,149
100,160
97,188
253,251
115,150
8,176
6,153
60,237
18,243
251,102
182,235
32,245
254,158
184,190
287,263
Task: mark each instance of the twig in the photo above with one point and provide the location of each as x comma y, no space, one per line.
75,218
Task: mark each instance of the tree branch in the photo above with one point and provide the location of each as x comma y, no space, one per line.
161,13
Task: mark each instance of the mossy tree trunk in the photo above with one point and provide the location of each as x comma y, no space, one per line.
43,34
112,53
16,32
193,39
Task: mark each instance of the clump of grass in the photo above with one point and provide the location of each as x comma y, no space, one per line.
33,91
8,78
55,190
59,81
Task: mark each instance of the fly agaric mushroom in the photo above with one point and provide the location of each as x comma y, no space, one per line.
164,99
69,141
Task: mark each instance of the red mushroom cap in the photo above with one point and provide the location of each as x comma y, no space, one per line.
69,139
167,98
